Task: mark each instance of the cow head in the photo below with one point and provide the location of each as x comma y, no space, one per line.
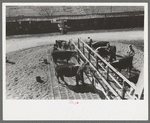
70,45
64,45
55,47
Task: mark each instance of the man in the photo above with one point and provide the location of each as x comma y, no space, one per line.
63,28
130,52
112,51
89,41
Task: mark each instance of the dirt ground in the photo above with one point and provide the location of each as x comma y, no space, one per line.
26,53
17,42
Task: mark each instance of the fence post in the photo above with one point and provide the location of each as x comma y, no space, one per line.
123,90
83,48
90,43
79,49
79,43
82,78
97,62
107,73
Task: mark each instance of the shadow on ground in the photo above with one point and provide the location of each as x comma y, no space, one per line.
10,62
86,88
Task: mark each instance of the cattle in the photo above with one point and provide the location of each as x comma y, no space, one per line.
62,44
55,47
63,55
102,52
66,45
105,52
70,71
95,45
123,63
59,43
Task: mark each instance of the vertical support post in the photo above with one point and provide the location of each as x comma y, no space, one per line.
82,78
90,43
89,54
79,43
79,49
107,73
97,62
83,48
123,90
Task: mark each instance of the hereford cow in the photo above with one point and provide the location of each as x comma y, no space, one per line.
125,62
63,55
70,71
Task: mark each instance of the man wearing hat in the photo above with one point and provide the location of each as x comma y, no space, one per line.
130,52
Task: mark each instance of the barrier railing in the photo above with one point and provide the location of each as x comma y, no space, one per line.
109,70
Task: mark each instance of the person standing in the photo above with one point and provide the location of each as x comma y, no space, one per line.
131,51
61,28
112,52
89,41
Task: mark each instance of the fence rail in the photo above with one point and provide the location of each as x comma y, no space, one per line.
86,52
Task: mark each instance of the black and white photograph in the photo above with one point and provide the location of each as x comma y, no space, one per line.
76,53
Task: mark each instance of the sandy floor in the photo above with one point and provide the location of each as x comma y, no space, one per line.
26,64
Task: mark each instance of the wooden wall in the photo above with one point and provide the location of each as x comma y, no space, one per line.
35,27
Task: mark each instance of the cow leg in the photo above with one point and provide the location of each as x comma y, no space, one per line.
57,76
77,79
67,60
62,78
110,58
54,60
114,57
81,76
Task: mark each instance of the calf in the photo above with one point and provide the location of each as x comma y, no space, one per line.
63,55
125,62
70,71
